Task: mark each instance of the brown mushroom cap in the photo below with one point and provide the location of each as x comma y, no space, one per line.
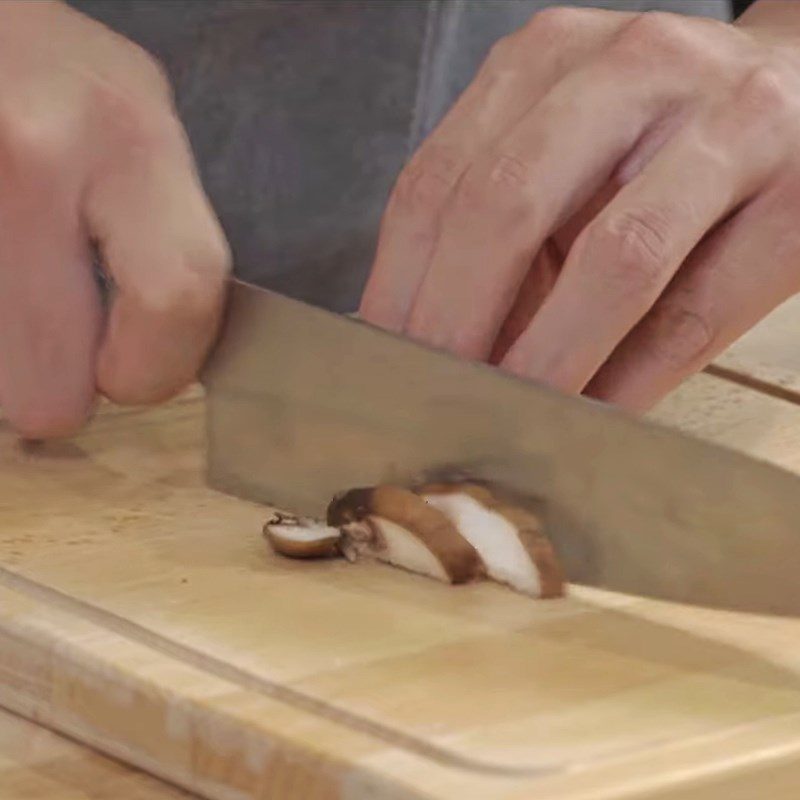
408,512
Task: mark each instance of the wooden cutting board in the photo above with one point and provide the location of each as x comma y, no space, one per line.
36,764
140,613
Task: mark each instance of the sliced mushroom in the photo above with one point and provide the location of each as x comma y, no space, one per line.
397,526
454,532
301,537
508,538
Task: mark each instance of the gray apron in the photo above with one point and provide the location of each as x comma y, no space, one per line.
302,112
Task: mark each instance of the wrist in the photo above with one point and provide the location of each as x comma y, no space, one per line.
774,16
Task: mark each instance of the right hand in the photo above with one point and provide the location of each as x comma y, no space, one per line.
92,154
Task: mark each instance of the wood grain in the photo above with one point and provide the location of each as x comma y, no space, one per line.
36,764
141,613
736,417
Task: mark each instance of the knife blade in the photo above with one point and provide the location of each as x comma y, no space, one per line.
303,403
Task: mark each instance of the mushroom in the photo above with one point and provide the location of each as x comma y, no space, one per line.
508,538
301,537
455,532
397,526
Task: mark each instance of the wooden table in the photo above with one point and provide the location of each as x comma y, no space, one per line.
141,614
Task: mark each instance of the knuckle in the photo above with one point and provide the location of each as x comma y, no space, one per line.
634,248
652,27
504,52
554,23
549,28
31,146
500,184
505,63
154,75
136,126
470,196
765,93
133,121
192,290
657,33
189,286
679,335
508,170
462,341
427,180
143,72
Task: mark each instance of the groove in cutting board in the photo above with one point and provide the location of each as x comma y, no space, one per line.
38,764
287,695
752,382
258,684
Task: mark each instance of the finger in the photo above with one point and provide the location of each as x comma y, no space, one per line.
730,282
49,303
525,187
542,275
537,285
520,69
625,258
168,259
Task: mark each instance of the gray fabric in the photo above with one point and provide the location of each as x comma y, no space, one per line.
301,112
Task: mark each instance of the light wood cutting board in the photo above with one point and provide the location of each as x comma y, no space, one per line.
140,613
36,764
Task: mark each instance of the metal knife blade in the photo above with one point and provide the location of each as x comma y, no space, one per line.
303,403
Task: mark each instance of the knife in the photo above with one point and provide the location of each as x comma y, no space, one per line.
303,403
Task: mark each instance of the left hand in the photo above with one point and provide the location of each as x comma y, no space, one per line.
612,202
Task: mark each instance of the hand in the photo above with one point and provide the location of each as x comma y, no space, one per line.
613,201
91,153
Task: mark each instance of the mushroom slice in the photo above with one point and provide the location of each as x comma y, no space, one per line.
508,538
397,526
301,537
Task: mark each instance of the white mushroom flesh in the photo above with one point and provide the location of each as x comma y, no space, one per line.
402,548
494,537
306,531
300,537
395,545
